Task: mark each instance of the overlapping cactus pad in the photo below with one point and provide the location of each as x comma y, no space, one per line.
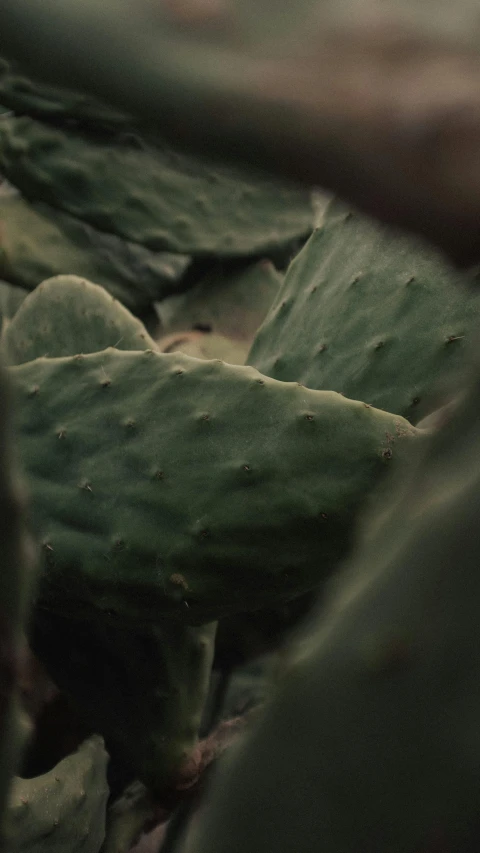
68,312
368,312
24,95
372,741
63,809
162,484
149,194
39,242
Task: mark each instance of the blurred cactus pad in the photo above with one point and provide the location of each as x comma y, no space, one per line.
147,193
370,741
39,242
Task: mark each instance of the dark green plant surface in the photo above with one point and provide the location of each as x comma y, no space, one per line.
39,242
368,312
370,742
16,581
320,101
168,491
69,314
143,688
53,103
11,297
162,484
150,194
64,809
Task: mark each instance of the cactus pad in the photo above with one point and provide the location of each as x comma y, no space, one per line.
63,809
38,242
16,578
67,315
143,688
368,312
25,96
162,484
11,297
152,195
372,738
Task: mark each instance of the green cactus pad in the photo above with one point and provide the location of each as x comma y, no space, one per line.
162,484
232,303
144,688
64,809
371,743
26,96
367,312
39,242
152,195
67,315
11,297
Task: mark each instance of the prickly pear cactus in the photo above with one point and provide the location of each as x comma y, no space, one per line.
162,484
370,313
143,688
371,741
17,561
11,298
64,809
39,242
66,315
25,96
231,303
162,200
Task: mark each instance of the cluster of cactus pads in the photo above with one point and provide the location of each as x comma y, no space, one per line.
207,431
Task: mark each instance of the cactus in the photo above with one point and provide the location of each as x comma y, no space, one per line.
162,484
67,315
11,298
232,303
16,579
143,688
39,242
64,809
168,491
322,104
370,742
149,194
355,316
25,96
